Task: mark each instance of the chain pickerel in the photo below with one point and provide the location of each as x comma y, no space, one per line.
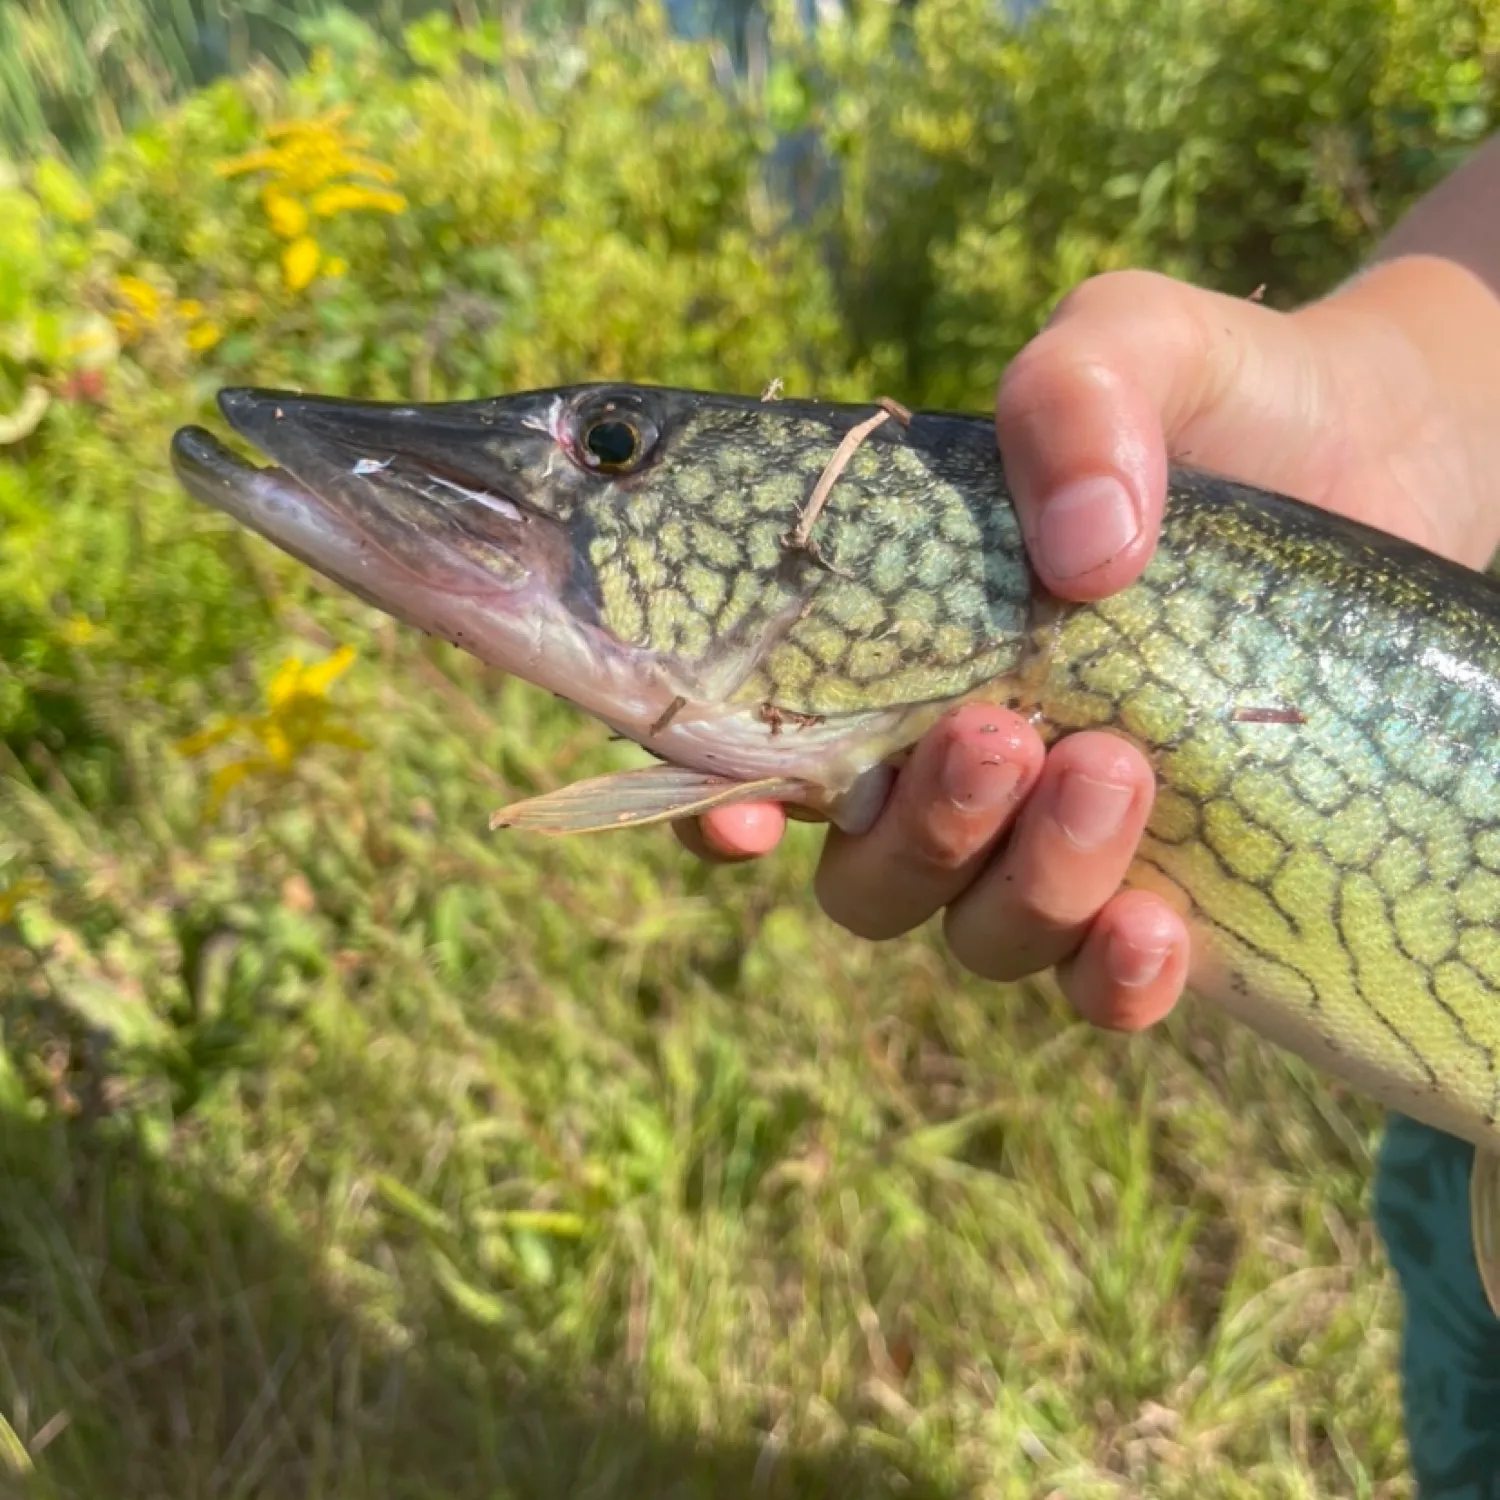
777,597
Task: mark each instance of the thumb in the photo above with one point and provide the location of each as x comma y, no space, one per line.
1132,367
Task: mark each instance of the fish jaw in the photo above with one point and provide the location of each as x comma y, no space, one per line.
465,555
507,614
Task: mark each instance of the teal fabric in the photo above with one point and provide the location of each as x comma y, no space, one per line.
1450,1351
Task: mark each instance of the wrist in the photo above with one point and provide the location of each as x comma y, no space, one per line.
1421,334
1449,315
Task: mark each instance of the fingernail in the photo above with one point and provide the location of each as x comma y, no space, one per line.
1090,811
1134,967
1083,525
977,780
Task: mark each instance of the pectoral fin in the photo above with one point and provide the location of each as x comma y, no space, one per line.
1484,1210
635,799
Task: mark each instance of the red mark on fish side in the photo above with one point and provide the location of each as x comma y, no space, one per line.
1268,716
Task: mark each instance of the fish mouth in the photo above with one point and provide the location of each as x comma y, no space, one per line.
419,511
384,499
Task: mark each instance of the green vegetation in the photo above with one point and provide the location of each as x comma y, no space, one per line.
350,1150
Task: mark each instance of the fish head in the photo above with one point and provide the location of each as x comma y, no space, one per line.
630,548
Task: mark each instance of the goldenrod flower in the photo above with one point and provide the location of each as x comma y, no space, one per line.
315,168
203,336
288,217
251,161
298,716
342,196
143,306
148,310
299,262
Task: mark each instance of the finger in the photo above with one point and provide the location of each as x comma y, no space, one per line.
1071,847
731,835
1134,366
1132,966
951,802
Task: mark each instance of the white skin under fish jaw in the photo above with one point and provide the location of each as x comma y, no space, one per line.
632,694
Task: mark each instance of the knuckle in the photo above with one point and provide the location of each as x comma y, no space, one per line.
1110,293
856,907
1047,910
985,952
1050,900
940,852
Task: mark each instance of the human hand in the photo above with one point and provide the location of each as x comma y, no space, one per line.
1368,403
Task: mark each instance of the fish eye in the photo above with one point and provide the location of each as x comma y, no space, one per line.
613,443
612,433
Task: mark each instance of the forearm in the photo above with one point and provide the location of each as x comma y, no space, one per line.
1434,282
1458,220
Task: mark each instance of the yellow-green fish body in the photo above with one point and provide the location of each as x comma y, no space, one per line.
1321,702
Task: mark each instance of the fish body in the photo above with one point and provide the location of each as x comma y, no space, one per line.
1320,701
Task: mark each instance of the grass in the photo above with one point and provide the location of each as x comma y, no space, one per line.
354,1151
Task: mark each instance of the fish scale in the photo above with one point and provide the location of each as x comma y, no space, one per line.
1271,834
1320,702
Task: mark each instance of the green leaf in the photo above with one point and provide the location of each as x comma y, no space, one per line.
480,1306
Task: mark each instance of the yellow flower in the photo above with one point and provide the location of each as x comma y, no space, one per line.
293,680
298,716
193,745
299,262
288,217
142,310
335,265
316,162
147,310
343,196
12,896
364,166
251,161
143,298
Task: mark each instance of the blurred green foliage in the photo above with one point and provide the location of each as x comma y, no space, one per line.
1238,143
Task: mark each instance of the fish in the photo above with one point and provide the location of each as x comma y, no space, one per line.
777,597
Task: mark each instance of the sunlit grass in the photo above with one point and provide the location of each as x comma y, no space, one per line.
386,1156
